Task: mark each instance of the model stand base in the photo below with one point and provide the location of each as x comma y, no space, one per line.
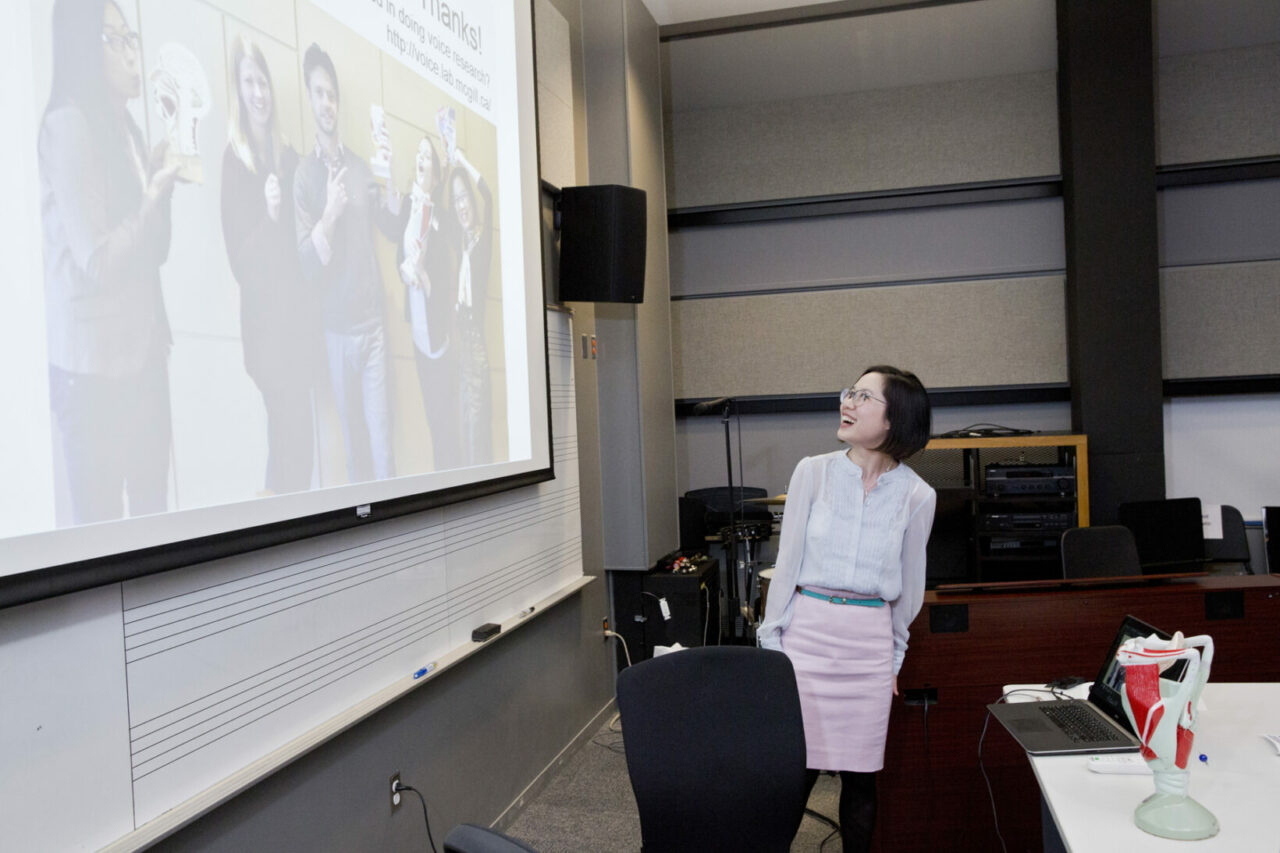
1175,816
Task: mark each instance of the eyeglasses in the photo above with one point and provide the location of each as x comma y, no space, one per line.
858,396
119,41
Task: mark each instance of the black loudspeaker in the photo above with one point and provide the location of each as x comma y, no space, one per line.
602,244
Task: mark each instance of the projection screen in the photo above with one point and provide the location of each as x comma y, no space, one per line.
264,261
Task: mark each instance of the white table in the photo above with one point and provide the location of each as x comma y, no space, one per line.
1240,783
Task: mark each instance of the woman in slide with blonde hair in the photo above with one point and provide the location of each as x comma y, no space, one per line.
279,327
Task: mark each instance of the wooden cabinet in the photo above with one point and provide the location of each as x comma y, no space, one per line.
1003,503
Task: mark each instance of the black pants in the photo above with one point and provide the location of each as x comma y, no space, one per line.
115,435
857,808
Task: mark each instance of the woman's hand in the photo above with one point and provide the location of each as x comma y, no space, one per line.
272,192
161,177
895,685
161,182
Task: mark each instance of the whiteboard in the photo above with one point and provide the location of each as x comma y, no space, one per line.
154,692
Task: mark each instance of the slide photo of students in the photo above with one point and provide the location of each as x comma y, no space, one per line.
228,301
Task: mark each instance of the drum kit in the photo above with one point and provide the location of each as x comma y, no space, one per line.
746,585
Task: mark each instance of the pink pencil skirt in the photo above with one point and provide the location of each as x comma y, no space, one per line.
843,658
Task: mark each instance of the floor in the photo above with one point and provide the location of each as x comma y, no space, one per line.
587,806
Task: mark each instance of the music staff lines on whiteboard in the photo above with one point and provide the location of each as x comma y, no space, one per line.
329,569
408,618
472,597
199,723
563,505
561,394
149,757
510,579
500,505
512,516
560,343
552,506
501,578
251,716
354,576
138,612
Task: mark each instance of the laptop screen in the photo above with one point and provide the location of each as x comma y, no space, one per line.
1109,684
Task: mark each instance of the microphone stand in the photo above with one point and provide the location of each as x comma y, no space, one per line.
731,544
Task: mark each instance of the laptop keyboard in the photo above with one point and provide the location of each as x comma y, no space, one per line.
1082,724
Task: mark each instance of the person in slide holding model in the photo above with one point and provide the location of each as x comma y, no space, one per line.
105,206
850,579
428,268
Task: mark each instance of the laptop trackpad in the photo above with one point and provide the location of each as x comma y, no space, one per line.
1030,725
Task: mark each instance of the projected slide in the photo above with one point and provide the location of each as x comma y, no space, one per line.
273,257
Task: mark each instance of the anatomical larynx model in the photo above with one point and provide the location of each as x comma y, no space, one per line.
1163,714
180,90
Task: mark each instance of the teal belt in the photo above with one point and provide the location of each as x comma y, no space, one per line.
835,599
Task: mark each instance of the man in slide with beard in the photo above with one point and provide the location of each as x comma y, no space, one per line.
338,204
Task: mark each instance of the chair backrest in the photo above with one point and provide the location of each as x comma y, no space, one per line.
715,749
1105,551
469,838
1233,547
1169,533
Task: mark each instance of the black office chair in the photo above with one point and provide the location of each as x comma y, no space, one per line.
1233,547
1107,551
469,838
1169,533
715,749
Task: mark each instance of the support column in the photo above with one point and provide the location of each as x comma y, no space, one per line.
1106,114
636,418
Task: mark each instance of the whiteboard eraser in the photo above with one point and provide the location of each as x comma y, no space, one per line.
485,631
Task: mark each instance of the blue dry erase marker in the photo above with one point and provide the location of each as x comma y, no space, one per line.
424,671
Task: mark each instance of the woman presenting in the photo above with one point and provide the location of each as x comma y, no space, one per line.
850,579
279,327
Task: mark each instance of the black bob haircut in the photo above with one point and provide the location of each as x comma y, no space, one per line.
908,412
314,58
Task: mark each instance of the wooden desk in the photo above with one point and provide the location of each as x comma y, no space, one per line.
1094,812
965,646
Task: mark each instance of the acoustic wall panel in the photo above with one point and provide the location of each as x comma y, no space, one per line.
1220,223
1221,320
962,242
992,332
943,133
1219,105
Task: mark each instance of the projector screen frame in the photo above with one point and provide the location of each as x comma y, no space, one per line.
43,582
38,584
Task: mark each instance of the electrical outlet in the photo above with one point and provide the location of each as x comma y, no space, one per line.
920,696
395,795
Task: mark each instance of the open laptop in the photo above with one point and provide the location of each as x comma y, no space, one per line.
1069,726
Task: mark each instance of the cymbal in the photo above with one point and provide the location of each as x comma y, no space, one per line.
776,500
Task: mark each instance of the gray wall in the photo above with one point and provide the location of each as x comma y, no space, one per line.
966,295
637,425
